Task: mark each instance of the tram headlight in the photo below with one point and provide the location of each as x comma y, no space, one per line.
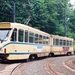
4,50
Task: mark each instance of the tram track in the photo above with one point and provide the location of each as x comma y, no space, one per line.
7,70
49,66
10,68
15,69
70,64
56,66
18,68
50,69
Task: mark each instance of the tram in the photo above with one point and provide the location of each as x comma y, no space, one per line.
19,41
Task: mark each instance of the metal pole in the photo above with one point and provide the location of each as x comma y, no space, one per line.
14,13
64,22
64,18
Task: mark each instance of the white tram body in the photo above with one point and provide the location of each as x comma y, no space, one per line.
61,45
18,41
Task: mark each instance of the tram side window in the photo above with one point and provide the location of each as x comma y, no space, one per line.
40,39
14,35
67,43
26,36
60,42
57,42
44,38
36,38
71,43
20,35
54,41
64,42
31,37
47,40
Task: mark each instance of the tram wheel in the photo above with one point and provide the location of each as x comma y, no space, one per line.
51,54
69,53
33,57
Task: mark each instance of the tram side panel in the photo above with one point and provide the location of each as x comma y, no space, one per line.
53,47
45,51
23,51
74,46
20,50
61,45
16,51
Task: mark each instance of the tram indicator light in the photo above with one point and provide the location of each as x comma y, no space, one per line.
4,25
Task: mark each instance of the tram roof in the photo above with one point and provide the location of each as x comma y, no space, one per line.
13,25
61,37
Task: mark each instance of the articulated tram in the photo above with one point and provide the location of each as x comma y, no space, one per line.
18,41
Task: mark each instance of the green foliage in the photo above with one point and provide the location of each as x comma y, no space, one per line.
46,15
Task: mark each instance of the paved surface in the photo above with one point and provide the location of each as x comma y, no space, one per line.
59,66
33,68
47,66
56,65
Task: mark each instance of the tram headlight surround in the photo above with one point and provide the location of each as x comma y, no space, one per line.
4,50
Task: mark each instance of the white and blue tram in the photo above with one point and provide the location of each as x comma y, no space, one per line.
18,41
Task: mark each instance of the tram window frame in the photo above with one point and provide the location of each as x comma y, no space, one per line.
44,38
20,35
26,35
64,42
61,42
57,42
68,43
71,43
40,39
14,35
74,43
54,41
47,40
31,37
36,38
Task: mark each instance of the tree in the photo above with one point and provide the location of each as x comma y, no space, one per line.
46,15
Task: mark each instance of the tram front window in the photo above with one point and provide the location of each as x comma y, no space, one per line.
3,34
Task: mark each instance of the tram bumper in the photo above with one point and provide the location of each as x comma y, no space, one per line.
3,55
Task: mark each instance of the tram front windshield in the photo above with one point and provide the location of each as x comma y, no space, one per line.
3,34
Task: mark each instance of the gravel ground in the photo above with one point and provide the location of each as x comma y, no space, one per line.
60,66
6,68
3,66
33,68
71,63
42,67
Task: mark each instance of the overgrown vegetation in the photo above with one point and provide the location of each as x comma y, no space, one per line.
46,15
